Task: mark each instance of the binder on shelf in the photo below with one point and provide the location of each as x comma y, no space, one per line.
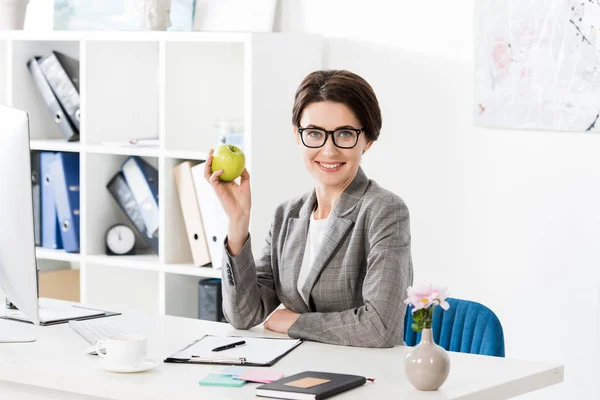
191,213
122,194
54,107
37,197
71,67
214,219
51,238
60,71
142,179
64,174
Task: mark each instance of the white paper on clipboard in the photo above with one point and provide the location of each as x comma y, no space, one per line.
257,350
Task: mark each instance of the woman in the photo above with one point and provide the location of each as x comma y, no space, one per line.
338,258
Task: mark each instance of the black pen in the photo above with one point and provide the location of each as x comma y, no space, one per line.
229,346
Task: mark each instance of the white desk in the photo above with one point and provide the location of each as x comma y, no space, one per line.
56,367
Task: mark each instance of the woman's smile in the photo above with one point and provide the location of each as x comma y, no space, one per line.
330,166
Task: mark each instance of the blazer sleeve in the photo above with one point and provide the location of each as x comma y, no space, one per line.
379,322
248,289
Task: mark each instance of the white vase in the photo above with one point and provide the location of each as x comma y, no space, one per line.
155,14
427,365
12,14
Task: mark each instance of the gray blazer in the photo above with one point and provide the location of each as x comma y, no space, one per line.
357,283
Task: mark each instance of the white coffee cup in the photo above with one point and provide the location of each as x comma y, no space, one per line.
124,350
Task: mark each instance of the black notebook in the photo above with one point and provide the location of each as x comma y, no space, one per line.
310,385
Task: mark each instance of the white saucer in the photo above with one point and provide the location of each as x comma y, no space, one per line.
145,365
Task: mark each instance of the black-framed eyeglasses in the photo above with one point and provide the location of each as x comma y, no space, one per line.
344,138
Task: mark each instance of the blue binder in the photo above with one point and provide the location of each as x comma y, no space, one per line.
36,187
51,238
142,179
64,172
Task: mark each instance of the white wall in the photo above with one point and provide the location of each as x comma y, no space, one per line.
506,218
3,93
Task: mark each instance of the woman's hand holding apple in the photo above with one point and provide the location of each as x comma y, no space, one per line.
236,201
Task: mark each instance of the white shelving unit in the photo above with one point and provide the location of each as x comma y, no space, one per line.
174,87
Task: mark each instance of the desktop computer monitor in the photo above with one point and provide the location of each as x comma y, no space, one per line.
18,274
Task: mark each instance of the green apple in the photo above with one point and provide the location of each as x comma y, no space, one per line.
229,158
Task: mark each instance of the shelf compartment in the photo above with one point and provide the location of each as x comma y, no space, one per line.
211,78
122,90
102,209
25,94
61,284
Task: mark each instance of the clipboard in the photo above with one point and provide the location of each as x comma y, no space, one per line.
257,352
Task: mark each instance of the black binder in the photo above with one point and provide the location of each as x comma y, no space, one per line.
54,107
61,72
37,197
121,192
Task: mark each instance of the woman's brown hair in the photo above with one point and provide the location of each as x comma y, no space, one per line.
340,86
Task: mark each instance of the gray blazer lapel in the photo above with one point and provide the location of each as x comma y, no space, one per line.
293,252
342,220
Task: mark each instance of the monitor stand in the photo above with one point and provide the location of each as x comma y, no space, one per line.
17,332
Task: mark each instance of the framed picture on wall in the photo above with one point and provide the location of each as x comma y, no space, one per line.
537,66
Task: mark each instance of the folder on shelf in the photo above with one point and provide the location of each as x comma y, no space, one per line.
60,71
256,351
214,219
37,197
51,238
122,194
53,105
191,213
142,179
64,175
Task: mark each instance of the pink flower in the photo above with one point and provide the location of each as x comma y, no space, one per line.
439,296
427,295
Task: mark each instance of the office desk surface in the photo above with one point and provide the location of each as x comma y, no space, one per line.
56,367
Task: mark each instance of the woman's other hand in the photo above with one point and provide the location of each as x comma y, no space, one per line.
281,320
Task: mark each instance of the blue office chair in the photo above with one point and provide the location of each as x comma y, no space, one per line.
467,327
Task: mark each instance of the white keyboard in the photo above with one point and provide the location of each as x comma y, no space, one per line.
94,330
